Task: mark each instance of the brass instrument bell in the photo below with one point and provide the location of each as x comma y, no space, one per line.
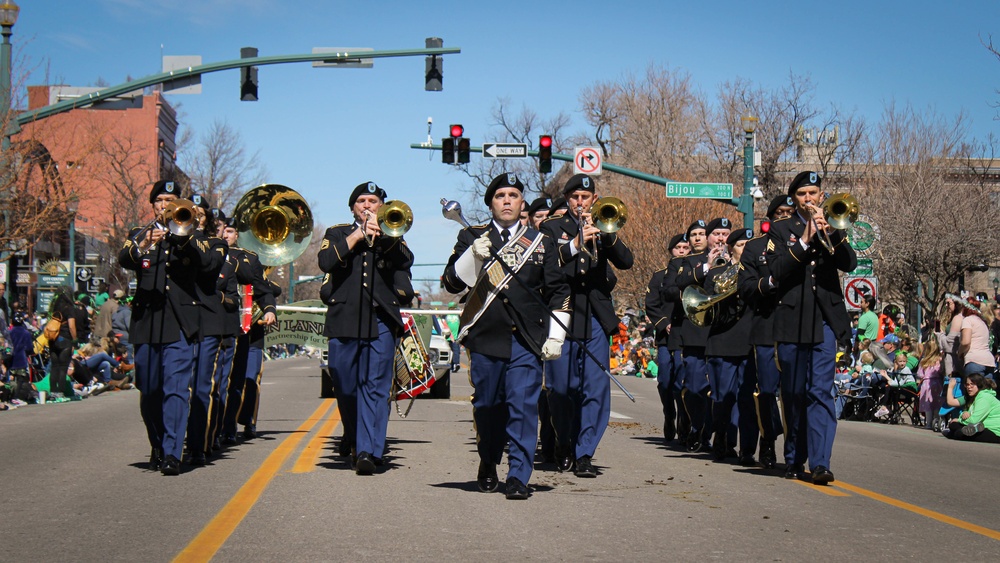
395,218
275,222
609,214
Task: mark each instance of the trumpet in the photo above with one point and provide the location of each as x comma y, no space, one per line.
840,210
179,216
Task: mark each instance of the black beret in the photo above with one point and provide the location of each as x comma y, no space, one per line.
580,182
677,239
365,188
218,214
164,187
807,178
738,235
505,180
200,201
699,224
557,204
718,223
777,202
540,204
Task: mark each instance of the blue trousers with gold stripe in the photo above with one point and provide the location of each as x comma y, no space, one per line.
807,372
362,370
580,393
202,388
163,376
505,407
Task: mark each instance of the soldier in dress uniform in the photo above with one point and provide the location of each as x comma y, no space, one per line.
243,389
227,290
367,278
538,211
166,322
691,270
759,295
810,320
579,389
559,207
213,317
504,325
662,313
732,377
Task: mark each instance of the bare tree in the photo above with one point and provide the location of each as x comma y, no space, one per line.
220,168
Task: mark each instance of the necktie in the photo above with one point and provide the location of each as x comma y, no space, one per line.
505,236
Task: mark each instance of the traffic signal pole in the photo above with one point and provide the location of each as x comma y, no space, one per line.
167,77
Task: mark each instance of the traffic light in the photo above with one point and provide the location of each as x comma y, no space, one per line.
248,76
463,150
453,144
545,154
433,66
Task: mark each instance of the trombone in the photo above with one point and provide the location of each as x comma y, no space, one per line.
608,215
179,216
840,210
394,219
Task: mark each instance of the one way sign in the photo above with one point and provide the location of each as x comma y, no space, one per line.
505,150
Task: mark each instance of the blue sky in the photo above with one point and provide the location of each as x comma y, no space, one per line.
323,131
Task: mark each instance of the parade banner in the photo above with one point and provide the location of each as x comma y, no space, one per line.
299,328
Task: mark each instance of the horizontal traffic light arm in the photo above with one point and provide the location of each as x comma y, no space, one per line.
569,158
153,79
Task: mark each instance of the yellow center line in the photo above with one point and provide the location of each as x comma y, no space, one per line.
310,454
204,546
823,489
992,534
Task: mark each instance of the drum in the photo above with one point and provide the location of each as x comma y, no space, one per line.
413,369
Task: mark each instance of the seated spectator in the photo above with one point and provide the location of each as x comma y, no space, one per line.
980,419
899,377
99,362
890,343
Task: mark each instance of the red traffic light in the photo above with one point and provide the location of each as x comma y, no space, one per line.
457,130
545,141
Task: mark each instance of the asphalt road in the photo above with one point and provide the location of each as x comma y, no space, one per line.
76,489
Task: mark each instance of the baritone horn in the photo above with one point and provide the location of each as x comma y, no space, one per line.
840,210
394,218
275,222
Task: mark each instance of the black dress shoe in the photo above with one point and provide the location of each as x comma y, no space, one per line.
694,445
584,468
229,440
768,458
564,462
516,490
155,459
822,476
249,432
344,448
793,471
171,466
198,459
747,460
365,464
216,444
487,477
669,430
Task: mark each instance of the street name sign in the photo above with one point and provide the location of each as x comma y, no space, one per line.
699,190
505,150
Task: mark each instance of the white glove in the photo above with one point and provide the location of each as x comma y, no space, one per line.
481,248
552,348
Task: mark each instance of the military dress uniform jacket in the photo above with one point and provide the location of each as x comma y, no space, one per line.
658,310
756,291
513,309
690,271
591,281
213,311
729,333
808,283
363,283
228,290
167,286
672,296
249,271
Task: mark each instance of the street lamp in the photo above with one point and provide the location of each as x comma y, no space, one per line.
72,205
8,17
745,206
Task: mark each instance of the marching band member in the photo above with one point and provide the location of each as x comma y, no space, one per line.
243,388
759,295
166,319
580,391
732,377
708,245
213,321
363,288
504,327
538,211
662,313
810,320
227,290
